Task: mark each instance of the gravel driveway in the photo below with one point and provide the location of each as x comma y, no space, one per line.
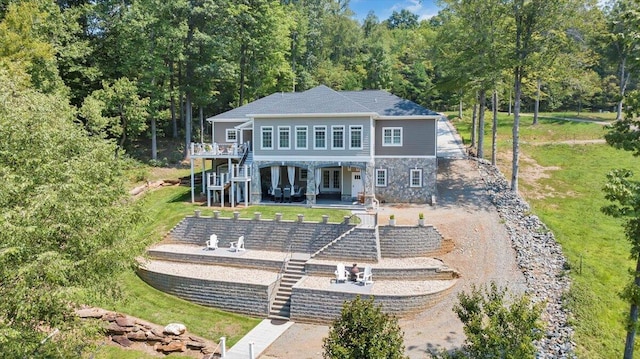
465,213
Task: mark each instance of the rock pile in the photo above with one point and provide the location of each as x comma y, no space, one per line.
129,332
540,258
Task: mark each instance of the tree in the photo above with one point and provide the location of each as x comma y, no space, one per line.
624,192
65,221
495,329
404,19
116,111
363,331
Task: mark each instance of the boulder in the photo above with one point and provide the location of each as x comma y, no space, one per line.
195,345
91,313
114,328
125,322
172,347
122,340
175,329
137,336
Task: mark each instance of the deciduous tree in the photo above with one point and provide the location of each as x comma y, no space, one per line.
363,331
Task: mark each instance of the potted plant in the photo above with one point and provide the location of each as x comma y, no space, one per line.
392,220
421,219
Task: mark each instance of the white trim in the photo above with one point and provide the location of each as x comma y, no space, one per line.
372,137
239,119
231,131
411,174
337,127
392,143
262,130
404,156
287,158
352,127
244,125
321,114
386,177
281,130
306,140
409,117
326,137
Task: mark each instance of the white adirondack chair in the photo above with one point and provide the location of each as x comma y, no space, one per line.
365,277
237,245
341,273
212,243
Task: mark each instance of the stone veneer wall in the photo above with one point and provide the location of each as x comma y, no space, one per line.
319,306
409,241
398,172
242,298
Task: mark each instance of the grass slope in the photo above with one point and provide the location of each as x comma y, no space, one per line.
562,183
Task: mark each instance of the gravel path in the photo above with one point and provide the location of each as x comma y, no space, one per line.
496,240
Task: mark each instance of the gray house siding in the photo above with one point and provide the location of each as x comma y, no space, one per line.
418,138
309,123
220,133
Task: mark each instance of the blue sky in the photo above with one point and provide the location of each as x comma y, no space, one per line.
384,8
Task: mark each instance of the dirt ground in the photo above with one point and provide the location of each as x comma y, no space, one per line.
482,254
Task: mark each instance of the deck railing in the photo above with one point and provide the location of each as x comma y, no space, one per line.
218,149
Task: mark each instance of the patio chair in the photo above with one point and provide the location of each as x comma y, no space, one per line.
365,277
277,195
298,195
286,197
237,245
212,243
341,273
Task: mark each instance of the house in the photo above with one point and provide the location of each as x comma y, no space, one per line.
369,145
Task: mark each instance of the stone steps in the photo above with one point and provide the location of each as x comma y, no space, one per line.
281,304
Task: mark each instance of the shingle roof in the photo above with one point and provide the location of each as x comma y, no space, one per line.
322,99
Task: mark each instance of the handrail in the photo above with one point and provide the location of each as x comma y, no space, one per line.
283,268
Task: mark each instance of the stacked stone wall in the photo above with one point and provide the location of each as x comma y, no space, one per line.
235,261
242,298
435,273
322,307
359,245
409,241
398,189
266,235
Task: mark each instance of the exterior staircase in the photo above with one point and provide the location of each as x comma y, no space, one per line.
281,305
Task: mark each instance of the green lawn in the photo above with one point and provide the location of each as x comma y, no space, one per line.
163,209
568,199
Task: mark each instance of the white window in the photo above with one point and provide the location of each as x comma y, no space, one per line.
415,178
266,137
284,137
319,137
301,137
337,137
392,136
381,177
355,137
231,134
302,174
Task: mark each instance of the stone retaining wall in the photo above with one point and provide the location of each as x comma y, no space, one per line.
322,307
267,235
436,273
242,298
411,241
215,260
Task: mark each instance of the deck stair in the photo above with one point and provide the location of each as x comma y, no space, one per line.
281,305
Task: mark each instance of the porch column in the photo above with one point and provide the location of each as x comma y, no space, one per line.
256,184
369,184
204,166
193,194
311,184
